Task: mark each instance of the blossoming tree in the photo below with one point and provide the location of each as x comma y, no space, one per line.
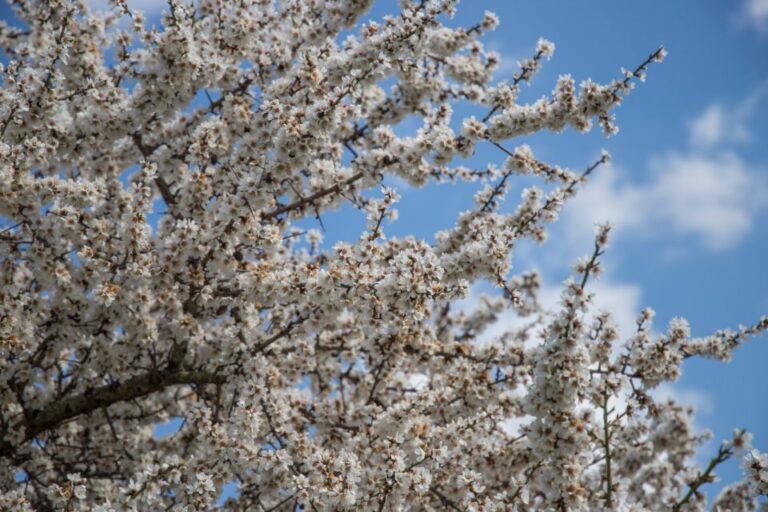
314,377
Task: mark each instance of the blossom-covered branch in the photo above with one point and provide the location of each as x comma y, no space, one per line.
159,182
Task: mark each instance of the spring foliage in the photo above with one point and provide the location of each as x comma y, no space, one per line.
313,377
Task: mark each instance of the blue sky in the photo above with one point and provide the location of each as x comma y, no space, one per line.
688,188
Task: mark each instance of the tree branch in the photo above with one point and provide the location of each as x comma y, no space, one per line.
723,453
304,201
607,448
92,399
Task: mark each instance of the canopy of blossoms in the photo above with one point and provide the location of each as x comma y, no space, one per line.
314,377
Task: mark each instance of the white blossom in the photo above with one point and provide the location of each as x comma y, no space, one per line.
172,321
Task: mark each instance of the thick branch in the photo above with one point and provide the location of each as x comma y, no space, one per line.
300,203
92,399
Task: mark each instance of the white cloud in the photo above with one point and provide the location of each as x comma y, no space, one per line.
719,125
709,192
756,13
714,126
714,198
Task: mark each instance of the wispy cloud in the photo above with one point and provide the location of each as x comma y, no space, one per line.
709,191
755,12
719,124
715,198
714,126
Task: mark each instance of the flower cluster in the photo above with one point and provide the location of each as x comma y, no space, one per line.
155,270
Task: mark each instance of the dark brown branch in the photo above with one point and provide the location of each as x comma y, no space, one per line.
447,502
92,399
282,333
308,200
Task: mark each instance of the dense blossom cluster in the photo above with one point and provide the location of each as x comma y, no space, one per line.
152,184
